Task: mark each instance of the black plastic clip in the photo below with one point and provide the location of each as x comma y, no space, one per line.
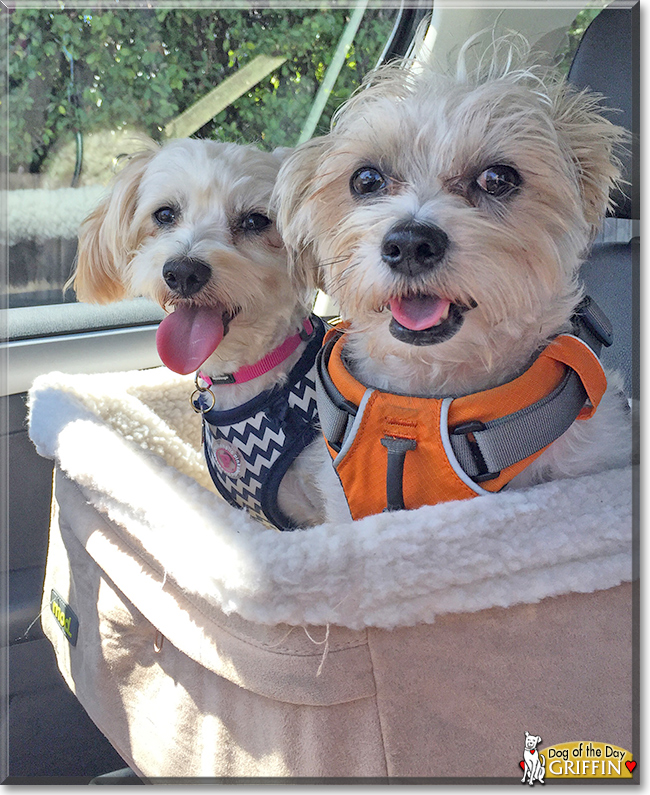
468,429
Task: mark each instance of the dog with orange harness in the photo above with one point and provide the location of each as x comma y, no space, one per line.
449,216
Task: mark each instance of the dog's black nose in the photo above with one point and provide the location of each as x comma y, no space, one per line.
413,247
186,276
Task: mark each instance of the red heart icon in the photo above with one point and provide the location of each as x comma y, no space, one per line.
630,765
522,765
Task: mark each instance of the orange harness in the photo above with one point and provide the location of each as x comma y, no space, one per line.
397,451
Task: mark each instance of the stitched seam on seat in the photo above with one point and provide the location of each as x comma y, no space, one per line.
376,697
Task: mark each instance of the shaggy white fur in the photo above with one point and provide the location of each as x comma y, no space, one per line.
448,216
190,225
131,442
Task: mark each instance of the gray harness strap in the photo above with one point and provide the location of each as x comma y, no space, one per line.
335,413
484,449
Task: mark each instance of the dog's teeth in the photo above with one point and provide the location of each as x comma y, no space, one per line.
443,317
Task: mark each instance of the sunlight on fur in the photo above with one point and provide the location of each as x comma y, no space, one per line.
191,226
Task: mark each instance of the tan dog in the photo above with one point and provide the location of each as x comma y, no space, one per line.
190,226
449,216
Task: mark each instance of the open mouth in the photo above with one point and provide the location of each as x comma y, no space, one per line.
425,319
191,334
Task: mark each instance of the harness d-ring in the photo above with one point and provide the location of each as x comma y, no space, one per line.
201,390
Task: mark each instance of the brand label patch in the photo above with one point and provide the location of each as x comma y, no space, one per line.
65,617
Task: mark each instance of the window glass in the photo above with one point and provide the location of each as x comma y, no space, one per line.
84,83
566,53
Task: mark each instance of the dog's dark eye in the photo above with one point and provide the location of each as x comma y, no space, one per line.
367,180
499,180
255,222
165,216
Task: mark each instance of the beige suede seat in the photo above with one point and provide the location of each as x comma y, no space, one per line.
415,645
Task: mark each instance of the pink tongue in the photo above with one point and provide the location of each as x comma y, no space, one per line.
188,336
420,312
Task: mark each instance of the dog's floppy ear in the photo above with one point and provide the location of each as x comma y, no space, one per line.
293,190
106,238
592,140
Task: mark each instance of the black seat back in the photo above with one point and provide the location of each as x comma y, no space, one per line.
607,62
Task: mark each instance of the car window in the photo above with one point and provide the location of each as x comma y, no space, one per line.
84,84
567,50
575,32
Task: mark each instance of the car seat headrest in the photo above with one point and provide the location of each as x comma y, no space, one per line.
603,62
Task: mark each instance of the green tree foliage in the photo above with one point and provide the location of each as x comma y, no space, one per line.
87,70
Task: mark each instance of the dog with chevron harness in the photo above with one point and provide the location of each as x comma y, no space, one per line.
448,216
189,225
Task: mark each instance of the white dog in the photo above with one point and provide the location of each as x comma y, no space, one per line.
448,216
189,225
534,762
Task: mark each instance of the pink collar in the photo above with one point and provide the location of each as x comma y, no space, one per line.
266,363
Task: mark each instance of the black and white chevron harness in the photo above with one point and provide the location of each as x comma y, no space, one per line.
249,448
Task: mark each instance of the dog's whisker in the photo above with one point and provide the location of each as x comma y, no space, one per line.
340,280
328,263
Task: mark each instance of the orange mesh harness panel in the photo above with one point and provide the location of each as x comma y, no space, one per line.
398,451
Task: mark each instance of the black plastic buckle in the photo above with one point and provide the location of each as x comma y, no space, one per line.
468,429
595,320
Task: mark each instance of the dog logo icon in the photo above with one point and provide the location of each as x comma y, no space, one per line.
534,764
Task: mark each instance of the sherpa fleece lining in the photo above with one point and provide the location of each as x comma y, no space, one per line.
131,442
